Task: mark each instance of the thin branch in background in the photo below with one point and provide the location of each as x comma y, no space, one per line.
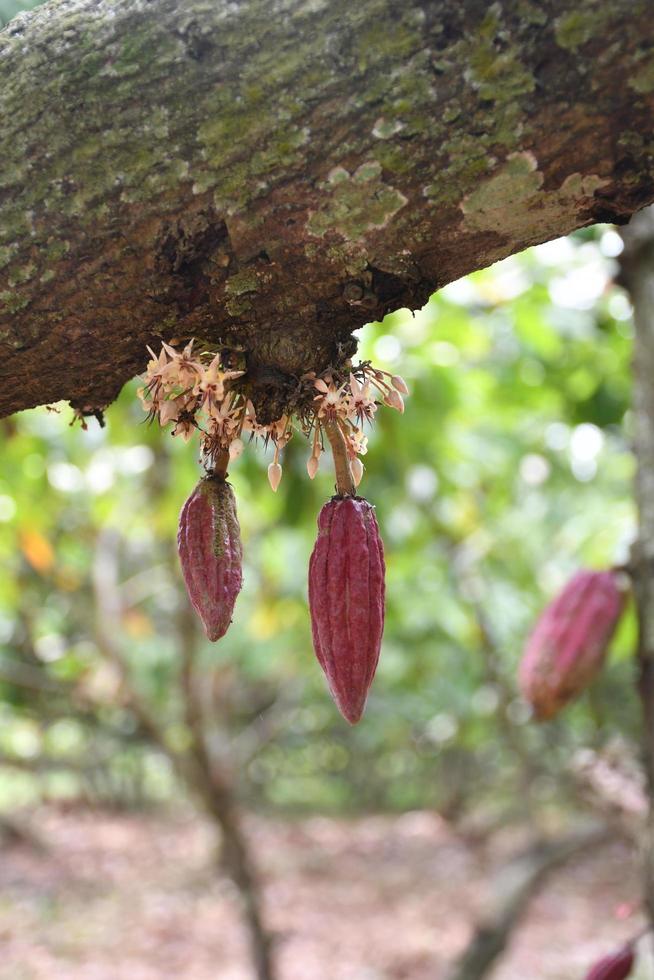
513,888
108,609
15,833
266,726
218,796
470,591
143,585
194,765
29,677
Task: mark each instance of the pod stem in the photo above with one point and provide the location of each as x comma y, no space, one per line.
220,462
345,485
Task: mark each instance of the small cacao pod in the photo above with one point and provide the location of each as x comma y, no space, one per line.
567,647
615,966
209,545
346,600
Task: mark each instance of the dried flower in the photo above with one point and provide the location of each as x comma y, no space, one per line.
184,428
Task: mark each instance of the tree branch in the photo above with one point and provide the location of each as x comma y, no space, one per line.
515,885
272,177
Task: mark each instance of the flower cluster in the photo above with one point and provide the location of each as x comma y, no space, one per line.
197,392
193,392
347,407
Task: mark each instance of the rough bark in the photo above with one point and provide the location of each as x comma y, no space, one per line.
274,173
637,274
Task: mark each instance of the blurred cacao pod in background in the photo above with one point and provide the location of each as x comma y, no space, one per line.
615,966
569,642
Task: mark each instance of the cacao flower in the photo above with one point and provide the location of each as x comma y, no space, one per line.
569,642
209,545
346,600
616,966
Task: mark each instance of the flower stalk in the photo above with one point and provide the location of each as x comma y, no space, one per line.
345,485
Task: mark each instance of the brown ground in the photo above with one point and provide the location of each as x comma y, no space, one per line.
134,898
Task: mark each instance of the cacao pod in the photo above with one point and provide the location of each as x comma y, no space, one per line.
569,642
616,966
209,545
346,600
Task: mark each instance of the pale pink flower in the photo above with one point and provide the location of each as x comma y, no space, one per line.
223,421
169,410
356,443
211,384
250,423
280,431
153,378
333,402
361,404
182,370
156,366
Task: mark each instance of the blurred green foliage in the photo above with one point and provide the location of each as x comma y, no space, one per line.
510,468
9,8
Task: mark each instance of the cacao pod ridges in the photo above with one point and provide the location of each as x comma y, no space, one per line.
615,966
346,600
568,645
209,545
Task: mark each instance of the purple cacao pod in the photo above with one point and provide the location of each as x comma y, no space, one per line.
569,642
209,545
346,600
616,966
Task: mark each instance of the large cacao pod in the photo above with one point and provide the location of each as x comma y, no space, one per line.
346,599
209,544
569,642
616,966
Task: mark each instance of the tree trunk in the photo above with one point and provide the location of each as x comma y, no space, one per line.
236,862
218,796
638,276
271,175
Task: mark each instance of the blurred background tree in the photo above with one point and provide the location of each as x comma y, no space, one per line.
9,8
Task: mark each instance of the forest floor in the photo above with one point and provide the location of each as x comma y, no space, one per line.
377,898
